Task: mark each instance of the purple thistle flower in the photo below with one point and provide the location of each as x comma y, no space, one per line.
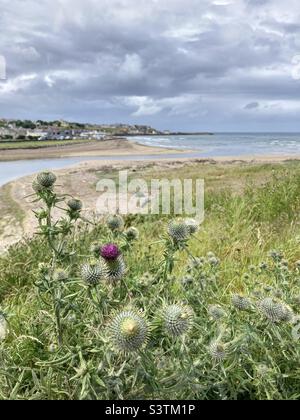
110,252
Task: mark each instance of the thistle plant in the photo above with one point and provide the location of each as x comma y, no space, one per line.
93,272
132,234
56,233
114,262
177,319
216,312
218,350
240,302
73,342
129,331
115,223
275,311
178,231
192,225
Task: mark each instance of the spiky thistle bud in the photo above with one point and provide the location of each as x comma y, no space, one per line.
177,319
240,302
60,275
216,312
74,204
275,311
93,272
178,231
115,269
132,233
218,350
115,223
192,225
46,179
3,327
129,331
38,188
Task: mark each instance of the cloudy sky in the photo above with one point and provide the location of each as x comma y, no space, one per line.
217,65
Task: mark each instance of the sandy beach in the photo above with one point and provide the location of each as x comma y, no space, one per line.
98,148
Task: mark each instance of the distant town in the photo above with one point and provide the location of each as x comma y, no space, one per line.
20,130
63,130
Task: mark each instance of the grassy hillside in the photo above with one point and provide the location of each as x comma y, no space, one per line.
235,284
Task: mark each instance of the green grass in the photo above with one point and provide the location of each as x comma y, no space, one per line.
250,210
36,144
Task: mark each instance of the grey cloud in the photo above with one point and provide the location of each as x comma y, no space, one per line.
173,64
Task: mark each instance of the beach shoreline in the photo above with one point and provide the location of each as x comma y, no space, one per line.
113,147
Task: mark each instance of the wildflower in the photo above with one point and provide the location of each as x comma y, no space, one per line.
129,331
46,179
275,311
115,223
132,234
75,205
177,319
110,252
115,265
240,302
216,312
192,225
218,350
93,272
178,230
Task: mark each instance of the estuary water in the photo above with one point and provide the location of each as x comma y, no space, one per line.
206,146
